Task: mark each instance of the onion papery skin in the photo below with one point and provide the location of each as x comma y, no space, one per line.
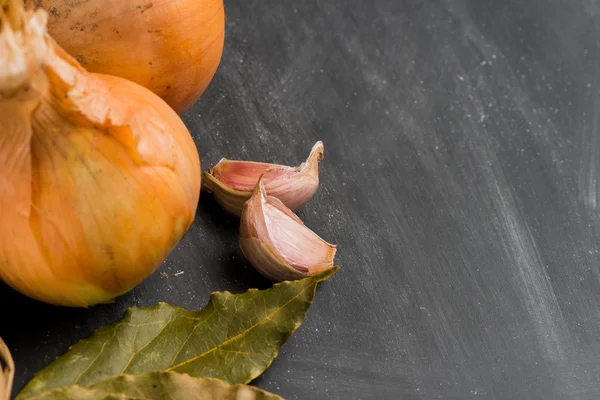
100,179
172,47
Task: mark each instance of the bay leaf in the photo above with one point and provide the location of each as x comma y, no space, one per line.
7,371
234,338
157,386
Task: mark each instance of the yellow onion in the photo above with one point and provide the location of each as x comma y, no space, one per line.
172,47
99,179
7,371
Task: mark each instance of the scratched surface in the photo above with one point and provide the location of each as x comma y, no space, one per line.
461,183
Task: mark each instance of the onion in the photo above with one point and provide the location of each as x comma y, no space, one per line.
100,178
172,47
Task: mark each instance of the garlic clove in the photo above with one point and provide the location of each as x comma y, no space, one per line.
276,241
232,182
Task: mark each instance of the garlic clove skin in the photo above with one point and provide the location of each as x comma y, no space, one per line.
276,241
232,182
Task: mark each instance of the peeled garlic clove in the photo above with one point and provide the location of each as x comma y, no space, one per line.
276,241
232,182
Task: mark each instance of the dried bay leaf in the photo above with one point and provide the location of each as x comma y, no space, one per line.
234,338
157,386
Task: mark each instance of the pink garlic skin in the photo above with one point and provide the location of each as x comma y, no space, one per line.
243,175
232,182
277,243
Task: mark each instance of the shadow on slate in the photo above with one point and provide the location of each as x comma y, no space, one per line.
232,265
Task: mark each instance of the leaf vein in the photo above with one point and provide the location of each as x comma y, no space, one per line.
137,328
97,355
147,344
241,333
201,322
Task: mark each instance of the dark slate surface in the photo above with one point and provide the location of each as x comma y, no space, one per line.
460,183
